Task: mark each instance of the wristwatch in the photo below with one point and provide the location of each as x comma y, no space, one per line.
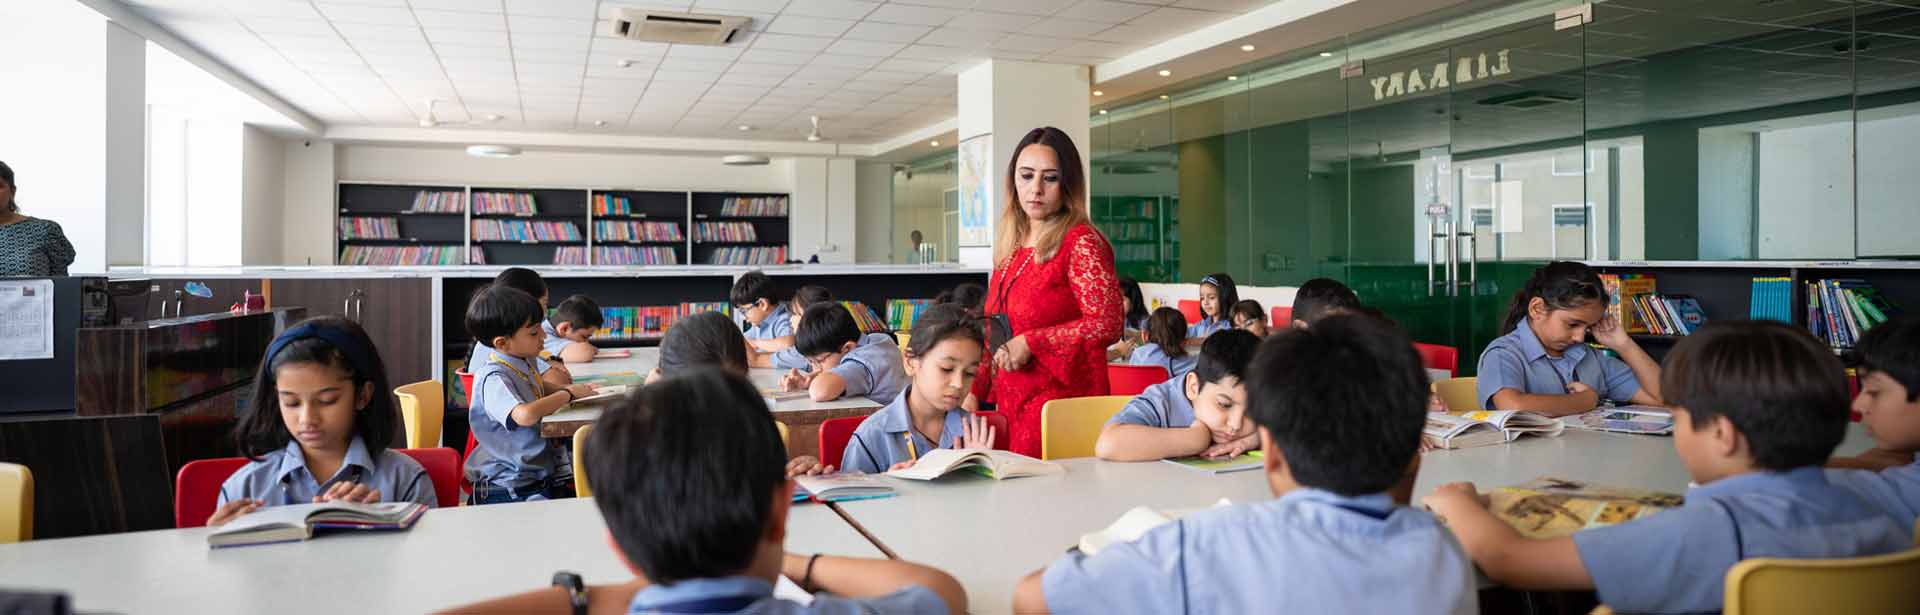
576,590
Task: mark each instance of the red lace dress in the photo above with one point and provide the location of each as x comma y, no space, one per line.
1069,310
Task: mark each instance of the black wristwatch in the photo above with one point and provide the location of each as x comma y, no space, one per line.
576,590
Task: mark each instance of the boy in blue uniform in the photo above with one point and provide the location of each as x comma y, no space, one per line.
1339,409
789,358
702,532
527,281
845,363
759,301
1198,413
573,323
1757,407
1888,476
512,462
1319,298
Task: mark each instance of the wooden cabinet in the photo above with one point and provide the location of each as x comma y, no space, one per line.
396,312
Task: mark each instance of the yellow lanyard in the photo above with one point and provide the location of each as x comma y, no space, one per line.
539,391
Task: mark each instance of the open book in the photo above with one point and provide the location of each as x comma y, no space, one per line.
605,394
623,353
1549,507
295,522
1624,419
1250,460
842,487
1484,427
1133,524
777,394
995,464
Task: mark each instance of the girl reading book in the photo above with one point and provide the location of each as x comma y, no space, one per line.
318,426
1543,363
943,356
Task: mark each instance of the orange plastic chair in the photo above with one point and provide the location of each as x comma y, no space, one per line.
196,491
1436,356
1281,320
16,503
443,468
1191,309
834,434
1132,379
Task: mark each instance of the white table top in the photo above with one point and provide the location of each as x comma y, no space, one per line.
452,557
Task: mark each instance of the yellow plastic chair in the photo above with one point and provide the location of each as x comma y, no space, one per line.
423,407
784,432
1865,585
1069,427
1459,394
16,503
580,487
904,338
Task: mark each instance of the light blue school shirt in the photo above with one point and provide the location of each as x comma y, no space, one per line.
881,440
554,343
1518,361
1309,551
1163,405
1895,491
509,454
790,358
873,369
1209,326
1152,354
779,323
1676,561
757,598
478,355
281,477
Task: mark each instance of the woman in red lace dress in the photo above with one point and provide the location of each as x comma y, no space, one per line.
1053,279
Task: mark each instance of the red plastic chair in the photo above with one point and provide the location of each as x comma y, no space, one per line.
1132,379
1282,319
443,467
196,491
998,421
1436,356
1191,309
834,434
466,382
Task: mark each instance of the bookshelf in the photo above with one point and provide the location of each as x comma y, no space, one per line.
1725,288
1144,232
738,228
381,225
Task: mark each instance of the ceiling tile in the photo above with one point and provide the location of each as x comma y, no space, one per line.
684,76
706,52
1095,49
469,6
467,37
908,66
359,32
809,26
762,55
572,57
933,52
459,20
838,9
787,42
693,64
736,78
1024,7
1065,28
871,87
896,33
895,13
952,4
570,9
357,13
955,37
1104,11
722,6
840,61
882,76
276,9
678,6
996,22
755,68
1231,6
1182,19
1136,34
520,24
864,48
630,48
548,40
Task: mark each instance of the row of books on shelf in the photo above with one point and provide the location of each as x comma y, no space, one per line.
369,228
514,203
902,313
1839,311
1772,299
525,230
649,322
763,255
616,255
723,231
634,230
1131,231
410,255
1135,252
862,315
608,205
1669,314
430,202
754,206
1131,209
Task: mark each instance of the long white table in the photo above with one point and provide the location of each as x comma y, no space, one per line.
451,557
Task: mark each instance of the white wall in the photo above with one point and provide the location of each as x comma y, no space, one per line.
1889,187
53,119
126,135
308,203
1726,194
215,222
382,163
1806,192
263,194
1006,99
873,212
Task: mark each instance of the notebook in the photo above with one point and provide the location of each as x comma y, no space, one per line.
296,522
623,353
991,463
1250,460
777,394
1624,419
1485,427
1548,507
605,393
1133,524
842,487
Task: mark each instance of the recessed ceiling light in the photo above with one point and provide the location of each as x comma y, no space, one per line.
1233,77
599,122
934,143
1326,54
1103,112
1166,73
493,151
1163,97
624,64
1246,47
1099,93
493,117
744,128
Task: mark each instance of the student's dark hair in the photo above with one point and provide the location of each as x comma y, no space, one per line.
1136,302
331,341
6,175
1167,328
1345,402
1248,309
500,311
1229,292
707,338
1893,348
942,322
1322,297
824,327
968,295
1226,353
811,294
1783,389
754,286
580,311
678,506
1563,285
523,279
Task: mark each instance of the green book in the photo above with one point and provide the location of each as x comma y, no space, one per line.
1250,460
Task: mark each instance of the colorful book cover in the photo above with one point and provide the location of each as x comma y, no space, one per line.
1549,507
1636,286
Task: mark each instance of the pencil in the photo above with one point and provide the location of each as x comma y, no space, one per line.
910,448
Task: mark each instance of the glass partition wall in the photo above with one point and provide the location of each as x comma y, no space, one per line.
1433,168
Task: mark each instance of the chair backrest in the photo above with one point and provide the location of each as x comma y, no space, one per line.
465,454
1130,380
1439,357
786,433
423,408
1001,440
1282,318
443,467
466,382
580,486
1872,584
902,339
1191,309
834,434
1459,394
1069,426
196,491
16,503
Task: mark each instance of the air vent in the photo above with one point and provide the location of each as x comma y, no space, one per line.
680,28
1528,100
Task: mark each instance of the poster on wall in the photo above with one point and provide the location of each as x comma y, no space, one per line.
976,194
26,319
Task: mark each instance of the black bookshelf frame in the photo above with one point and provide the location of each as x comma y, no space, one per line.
1725,289
768,231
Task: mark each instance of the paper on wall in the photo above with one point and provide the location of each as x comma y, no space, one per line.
26,319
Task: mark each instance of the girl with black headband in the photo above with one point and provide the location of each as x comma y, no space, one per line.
318,426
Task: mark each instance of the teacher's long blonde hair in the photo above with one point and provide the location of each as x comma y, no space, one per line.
1014,225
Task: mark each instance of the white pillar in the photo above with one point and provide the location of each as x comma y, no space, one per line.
126,146
1001,100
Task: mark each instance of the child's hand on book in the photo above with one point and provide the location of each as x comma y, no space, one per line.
582,390
806,465
1435,404
976,432
1454,496
233,509
352,493
1230,449
900,466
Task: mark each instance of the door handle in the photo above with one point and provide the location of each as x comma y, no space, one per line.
1472,258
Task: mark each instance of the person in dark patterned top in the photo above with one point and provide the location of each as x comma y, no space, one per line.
29,247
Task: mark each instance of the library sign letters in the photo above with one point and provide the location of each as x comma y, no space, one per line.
1464,69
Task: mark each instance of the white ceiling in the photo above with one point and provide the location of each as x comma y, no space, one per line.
870,69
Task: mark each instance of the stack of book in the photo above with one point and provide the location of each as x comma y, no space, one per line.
736,232
570,255
425,202
524,230
513,203
695,307
631,255
1669,314
407,255
604,205
754,206
863,316
902,313
1841,310
369,228
635,230
771,255
631,323
1622,290
1772,299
